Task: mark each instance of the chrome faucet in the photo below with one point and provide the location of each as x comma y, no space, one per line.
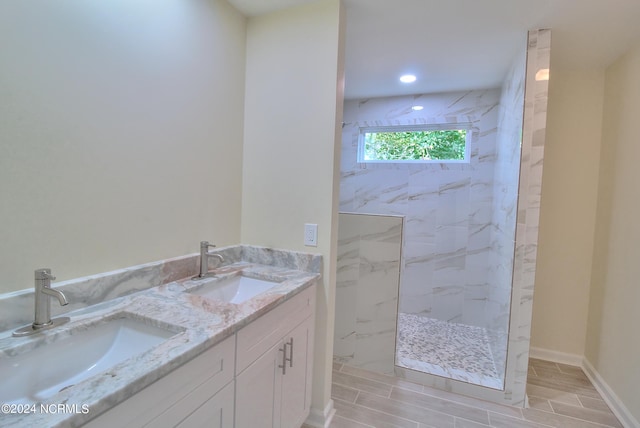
43,293
204,259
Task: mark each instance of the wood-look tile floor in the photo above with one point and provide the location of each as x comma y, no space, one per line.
560,396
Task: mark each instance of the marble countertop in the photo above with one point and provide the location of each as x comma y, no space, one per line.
199,323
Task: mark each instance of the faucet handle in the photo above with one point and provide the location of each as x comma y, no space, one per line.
205,245
43,274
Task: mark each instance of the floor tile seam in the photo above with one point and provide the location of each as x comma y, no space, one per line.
578,384
580,376
549,399
359,389
390,414
544,368
574,389
472,406
568,383
471,420
598,424
560,380
603,413
604,403
377,394
364,378
582,407
550,388
523,420
440,411
358,422
392,381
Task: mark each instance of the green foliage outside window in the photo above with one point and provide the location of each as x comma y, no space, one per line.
415,145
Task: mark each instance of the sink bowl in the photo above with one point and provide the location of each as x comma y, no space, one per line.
236,289
49,368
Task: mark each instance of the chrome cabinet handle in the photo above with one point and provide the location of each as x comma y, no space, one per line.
284,356
291,352
284,359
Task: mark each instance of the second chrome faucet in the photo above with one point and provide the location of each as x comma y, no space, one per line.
43,293
204,259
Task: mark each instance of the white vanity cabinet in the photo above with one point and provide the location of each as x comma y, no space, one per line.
259,377
200,390
273,366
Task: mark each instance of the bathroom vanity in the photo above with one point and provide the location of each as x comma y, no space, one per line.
265,367
214,359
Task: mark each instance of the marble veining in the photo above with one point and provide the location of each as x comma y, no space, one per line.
369,249
17,307
197,321
471,225
442,203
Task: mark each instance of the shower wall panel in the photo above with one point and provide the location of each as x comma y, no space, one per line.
448,206
505,199
369,254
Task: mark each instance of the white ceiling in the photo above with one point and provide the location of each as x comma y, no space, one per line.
467,44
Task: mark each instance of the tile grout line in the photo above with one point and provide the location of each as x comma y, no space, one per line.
553,376
597,424
580,419
438,411
391,414
358,422
471,406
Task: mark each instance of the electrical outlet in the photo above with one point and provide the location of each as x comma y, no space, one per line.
311,235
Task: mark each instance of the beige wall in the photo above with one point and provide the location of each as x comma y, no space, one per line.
120,133
293,104
613,347
567,215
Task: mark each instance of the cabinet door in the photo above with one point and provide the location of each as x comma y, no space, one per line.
217,412
296,382
170,399
256,388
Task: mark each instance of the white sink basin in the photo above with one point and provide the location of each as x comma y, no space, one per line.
42,372
236,289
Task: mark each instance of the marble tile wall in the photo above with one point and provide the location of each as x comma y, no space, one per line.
367,281
397,195
528,215
447,206
505,198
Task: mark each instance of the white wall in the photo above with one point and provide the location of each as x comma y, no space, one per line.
567,215
612,345
120,133
293,106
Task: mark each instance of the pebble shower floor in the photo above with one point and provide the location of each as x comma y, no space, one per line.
441,348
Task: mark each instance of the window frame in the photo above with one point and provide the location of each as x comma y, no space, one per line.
468,127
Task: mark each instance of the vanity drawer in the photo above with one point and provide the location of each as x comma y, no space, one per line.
167,401
263,333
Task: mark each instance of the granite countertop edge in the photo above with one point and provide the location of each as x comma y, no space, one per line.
199,324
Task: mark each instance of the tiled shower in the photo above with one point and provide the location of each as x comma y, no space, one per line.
444,232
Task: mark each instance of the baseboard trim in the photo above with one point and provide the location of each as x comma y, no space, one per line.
556,357
321,418
615,404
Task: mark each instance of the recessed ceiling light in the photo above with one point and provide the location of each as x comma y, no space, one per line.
417,108
408,78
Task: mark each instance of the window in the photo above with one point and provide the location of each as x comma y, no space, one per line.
415,143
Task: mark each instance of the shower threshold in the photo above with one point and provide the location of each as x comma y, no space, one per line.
441,348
